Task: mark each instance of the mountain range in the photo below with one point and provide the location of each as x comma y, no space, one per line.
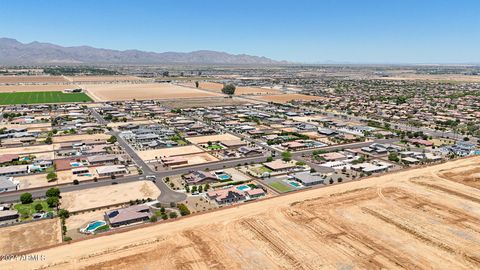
13,52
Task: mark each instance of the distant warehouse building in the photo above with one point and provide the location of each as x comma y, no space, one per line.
105,171
308,179
7,184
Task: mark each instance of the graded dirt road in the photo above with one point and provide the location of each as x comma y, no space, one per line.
406,220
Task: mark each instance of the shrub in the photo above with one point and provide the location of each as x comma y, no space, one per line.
26,198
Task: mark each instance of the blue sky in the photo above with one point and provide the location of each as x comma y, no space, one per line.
356,31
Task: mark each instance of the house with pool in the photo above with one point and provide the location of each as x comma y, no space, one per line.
128,215
235,194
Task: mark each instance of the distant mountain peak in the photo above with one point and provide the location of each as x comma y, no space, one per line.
13,52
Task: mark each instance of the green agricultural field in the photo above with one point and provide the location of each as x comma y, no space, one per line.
42,97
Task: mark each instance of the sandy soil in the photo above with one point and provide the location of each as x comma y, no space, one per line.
196,159
287,97
108,195
212,138
28,236
241,90
412,220
30,127
32,79
73,138
33,88
167,152
103,78
27,149
146,91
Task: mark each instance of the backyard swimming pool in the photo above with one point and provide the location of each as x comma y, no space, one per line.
294,184
243,188
223,177
93,226
76,164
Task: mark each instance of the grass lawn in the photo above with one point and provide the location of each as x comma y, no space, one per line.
280,187
25,210
42,97
215,147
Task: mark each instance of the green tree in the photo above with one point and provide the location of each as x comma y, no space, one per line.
52,201
286,156
48,140
51,176
229,89
26,198
38,207
393,156
269,159
63,213
172,215
183,209
53,192
112,139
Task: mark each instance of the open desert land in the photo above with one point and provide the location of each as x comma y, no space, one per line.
168,152
34,88
212,138
109,79
29,236
412,219
143,91
27,149
196,159
32,79
80,137
241,90
108,195
285,98
30,127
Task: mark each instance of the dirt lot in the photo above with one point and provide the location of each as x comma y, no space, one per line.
107,195
241,90
73,138
196,159
28,236
30,127
167,152
212,138
407,220
33,88
27,149
32,79
287,97
84,79
145,91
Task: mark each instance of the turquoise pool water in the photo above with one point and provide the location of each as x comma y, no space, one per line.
76,164
94,225
294,184
243,188
223,177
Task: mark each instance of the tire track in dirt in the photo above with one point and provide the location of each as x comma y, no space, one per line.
276,244
331,230
211,257
469,257
448,191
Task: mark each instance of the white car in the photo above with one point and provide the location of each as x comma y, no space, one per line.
151,177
